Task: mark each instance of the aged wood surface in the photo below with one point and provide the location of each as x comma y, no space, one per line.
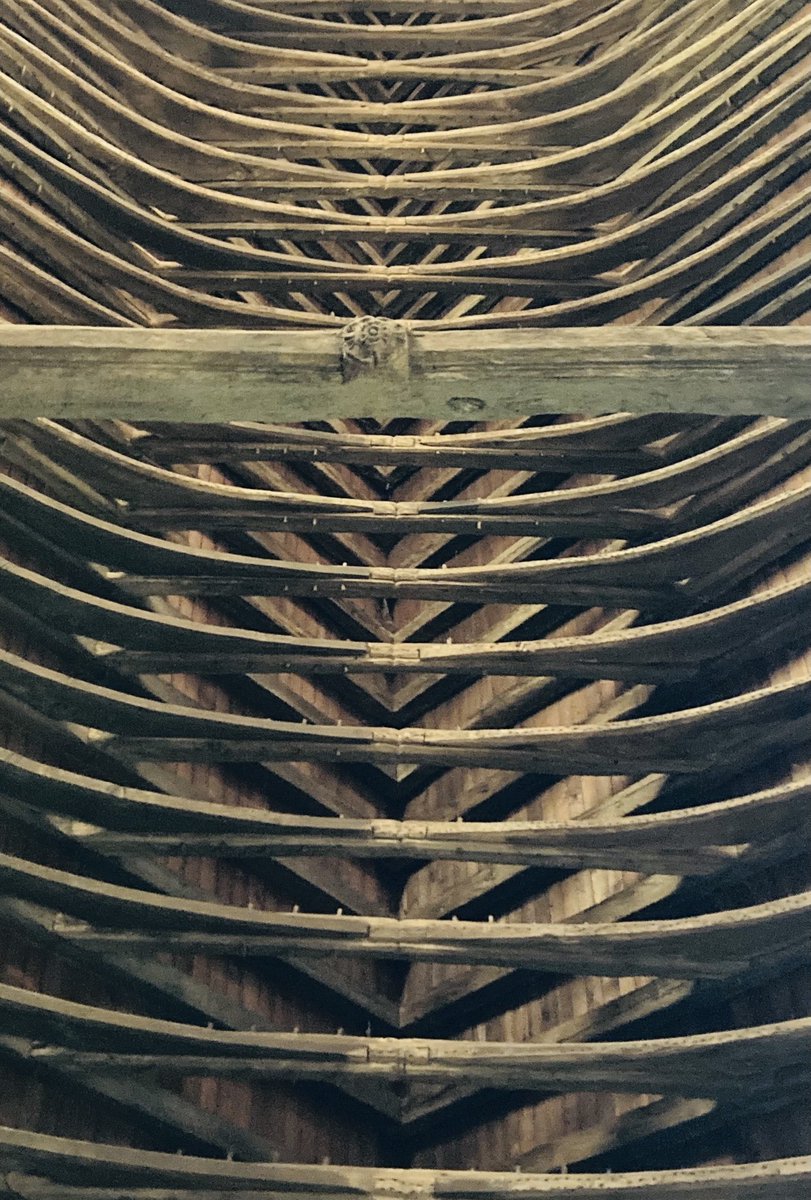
707,1064
64,1161
268,376
653,575
150,641
218,138
635,503
617,442
500,652
708,947
702,635
148,728
686,841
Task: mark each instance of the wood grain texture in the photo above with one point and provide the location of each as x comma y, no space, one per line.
627,126
701,947
508,372
687,840
517,687
49,1030
652,574
62,1160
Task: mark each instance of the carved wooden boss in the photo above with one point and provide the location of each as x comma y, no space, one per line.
375,344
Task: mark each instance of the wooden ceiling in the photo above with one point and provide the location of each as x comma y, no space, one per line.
393,807
466,164
497,766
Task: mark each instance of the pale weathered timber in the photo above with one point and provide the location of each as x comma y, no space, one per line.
219,374
147,872
615,444
160,498
65,1162
715,1064
706,947
154,820
178,134
503,139
391,144
689,740
216,212
154,642
277,166
486,32
647,576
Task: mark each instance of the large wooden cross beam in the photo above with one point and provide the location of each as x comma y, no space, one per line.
385,369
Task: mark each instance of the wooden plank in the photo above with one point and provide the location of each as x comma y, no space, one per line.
82,1038
133,639
706,947
152,822
67,1161
684,741
216,375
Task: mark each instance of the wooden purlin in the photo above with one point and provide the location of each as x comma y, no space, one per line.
113,818
452,375
146,729
651,576
708,947
634,504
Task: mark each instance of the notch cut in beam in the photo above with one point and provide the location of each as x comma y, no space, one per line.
214,375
